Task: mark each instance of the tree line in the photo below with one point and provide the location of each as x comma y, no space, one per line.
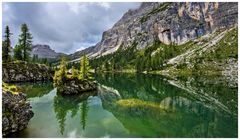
153,57
22,49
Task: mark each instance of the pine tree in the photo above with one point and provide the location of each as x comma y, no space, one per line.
113,64
138,64
106,65
6,45
148,64
84,68
45,61
17,53
35,58
25,41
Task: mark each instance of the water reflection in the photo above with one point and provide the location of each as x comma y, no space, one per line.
71,104
84,113
37,89
129,105
217,89
213,91
153,106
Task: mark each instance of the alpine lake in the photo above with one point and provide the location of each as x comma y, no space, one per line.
133,106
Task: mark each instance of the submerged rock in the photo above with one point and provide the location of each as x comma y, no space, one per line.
23,72
16,112
77,86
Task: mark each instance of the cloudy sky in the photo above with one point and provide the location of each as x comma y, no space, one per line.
66,27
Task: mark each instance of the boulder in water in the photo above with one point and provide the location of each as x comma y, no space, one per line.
16,112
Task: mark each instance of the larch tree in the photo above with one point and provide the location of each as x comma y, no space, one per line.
60,74
84,68
74,72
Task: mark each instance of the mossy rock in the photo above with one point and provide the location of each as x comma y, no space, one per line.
16,112
21,71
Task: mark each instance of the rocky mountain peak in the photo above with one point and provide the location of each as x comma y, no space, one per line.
43,51
39,46
168,22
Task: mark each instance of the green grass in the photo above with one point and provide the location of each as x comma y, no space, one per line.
140,104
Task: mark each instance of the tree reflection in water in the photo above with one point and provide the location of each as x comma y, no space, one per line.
153,106
37,89
84,112
71,103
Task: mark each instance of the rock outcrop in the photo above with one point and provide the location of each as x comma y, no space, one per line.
214,54
25,72
44,51
170,23
76,56
16,112
76,86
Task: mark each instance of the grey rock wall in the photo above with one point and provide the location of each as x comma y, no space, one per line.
25,72
170,23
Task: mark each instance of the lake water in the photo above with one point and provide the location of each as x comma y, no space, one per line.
128,105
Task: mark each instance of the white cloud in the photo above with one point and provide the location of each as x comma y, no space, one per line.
5,7
66,27
72,134
77,8
105,5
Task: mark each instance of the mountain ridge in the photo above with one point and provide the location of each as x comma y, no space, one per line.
44,51
170,23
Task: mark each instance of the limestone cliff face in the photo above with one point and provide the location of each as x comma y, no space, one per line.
174,23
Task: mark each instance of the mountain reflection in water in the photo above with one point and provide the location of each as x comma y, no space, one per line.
136,105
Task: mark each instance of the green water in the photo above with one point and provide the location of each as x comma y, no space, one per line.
128,105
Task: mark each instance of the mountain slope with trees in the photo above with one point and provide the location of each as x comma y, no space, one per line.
173,39
169,23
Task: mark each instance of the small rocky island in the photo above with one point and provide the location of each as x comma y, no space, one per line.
74,81
76,86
